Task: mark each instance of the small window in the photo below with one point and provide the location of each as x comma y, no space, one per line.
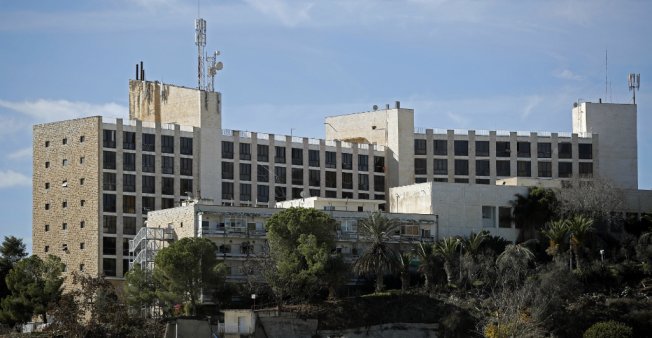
81,267
81,181
64,141
82,202
47,144
82,224
481,148
81,246
64,162
440,147
81,160
565,150
64,184
461,148
419,147
47,227
64,204
82,139
47,185
47,206
502,149
47,164
64,226
47,248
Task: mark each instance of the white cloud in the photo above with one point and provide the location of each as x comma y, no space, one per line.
20,154
530,105
42,110
12,178
289,13
567,74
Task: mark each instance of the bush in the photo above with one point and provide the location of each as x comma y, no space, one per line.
608,329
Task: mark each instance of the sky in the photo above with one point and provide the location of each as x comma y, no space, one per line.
483,65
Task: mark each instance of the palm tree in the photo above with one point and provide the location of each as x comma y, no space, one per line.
404,259
557,233
515,257
533,210
379,257
579,228
473,247
427,262
447,250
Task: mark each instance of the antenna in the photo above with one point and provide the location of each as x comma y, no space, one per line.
200,42
606,73
634,82
213,68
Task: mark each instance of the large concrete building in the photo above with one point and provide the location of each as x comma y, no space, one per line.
95,179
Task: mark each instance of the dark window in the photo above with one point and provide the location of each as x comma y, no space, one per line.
227,170
363,162
505,217
185,186
64,141
227,190
347,181
420,180
313,158
420,166
379,183
440,167
245,192
297,156
227,149
363,182
128,161
331,179
280,175
545,169
297,176
186,166
586,169
109,160
149,163
108,138
129,204
125,248
461,180
149,204
129,225
280,154
461,148
280,194
544,150
129,140
108,181
379,164
167,203
109,203
347,161
440,179
502,149
314,178
262,174
167,186
482,181
481,148
585,151
129,183
109,224
565,169
148,184
523,149
263,193
263,152
346,194
167,144
331,193
440,147
331,159
186,145
47,144
461,167
245,151
419,147
245,172
149,142
482,167
167,165
296,193
108,267
565,150
363,196
503,168
523,169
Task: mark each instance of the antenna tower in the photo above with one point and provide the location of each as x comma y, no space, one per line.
634,82
200,42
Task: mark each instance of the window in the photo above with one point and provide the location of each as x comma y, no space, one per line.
109,160
64,204
280,193
544,150
81,246
545,169
245,151
586,169
47,248
108,267
167,165
420,166
331,179
262,173
109,203
167,203
149,186
363,197
297,156
481,148
379,183
81,181
64,184
461,148
148,204
523,169
440,166
167,186
186,166
585,151
263,193
47,185
47,144
440,147
503,168
185,185
47,164
227,149
167,144
128,161
419,147
129,140
47,206
363,162
82,139
565,169
482,167
227,170
109,224
280,175
186,145
82,224
81,160
125,247
379,164
502,149
347,181
331,159
82,202
108,180
149,163
505,217
331,194
227,190
129,225
420,180
347,161
565,150
129,204
488,216
108,138
297,176
482,181
245,172
363,182
314,178
313,158
81,267
64,141
65,163
47,227
523,149
461,167
245,192
149,142
263,152
280,154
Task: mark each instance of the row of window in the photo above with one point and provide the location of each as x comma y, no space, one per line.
110,246
109,267
129,204
281,193
64,162
523,149
503,168
110,222
64,226
64,141
148,142
148,184
148,164
297,158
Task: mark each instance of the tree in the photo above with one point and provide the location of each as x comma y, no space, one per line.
34,284
337,273
187,268
473,246
12,250
595,200
579,228
447,250
427,262
514,261
557,233
139,290
534,210
379,257
404,260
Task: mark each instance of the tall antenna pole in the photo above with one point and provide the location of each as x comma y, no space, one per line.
200,42
606,73
634,82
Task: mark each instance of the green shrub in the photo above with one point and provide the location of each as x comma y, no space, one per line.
608,329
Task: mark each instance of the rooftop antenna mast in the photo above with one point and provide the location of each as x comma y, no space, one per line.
634,82
213,68
200,42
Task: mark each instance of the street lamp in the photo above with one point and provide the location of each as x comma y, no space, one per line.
602,257
253,296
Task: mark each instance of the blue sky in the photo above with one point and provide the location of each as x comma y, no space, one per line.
507,65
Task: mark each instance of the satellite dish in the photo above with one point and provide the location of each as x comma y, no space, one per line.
219,65
375,107
303,194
